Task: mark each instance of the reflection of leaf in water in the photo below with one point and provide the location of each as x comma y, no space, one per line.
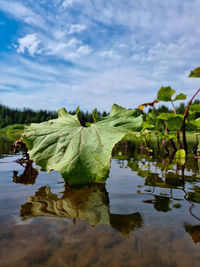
126,223
144,173
162,203
153,179
195,195
28,176
194,231
89,203
177,206
174,181
199,165
133,165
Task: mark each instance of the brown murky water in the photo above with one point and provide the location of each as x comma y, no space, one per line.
147,214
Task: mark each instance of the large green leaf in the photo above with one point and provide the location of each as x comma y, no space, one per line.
81,154
195,73
165,93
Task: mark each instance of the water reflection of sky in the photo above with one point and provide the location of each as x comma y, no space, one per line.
46,223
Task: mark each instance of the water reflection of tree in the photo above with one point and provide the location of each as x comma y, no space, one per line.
28,176
89,203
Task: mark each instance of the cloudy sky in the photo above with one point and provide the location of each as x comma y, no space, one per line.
94,53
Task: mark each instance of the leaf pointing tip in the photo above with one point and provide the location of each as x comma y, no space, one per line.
62,112
77,111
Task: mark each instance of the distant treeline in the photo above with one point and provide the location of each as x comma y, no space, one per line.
9,116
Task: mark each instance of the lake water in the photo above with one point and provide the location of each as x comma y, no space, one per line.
147,214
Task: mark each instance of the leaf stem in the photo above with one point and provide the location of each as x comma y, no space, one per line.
177,131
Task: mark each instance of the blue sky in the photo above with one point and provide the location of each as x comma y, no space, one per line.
94,53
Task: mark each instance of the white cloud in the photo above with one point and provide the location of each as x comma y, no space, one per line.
76,28
111,54
22,12
84,50
120,51
68,3
29,42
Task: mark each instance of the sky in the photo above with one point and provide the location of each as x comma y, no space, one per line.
93,53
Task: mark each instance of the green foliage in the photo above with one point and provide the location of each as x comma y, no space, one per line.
198,152
165,116
179,97
165,93
81,154
195,73
196,123
195,108
173,121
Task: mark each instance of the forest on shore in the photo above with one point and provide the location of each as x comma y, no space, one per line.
10,116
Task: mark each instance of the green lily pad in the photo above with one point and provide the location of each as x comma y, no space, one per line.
81,154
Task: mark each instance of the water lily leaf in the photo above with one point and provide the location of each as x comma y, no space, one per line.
165,93
81,154
180,97
195,73
195,108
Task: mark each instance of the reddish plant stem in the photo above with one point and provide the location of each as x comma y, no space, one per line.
164,141
177,131
184,120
